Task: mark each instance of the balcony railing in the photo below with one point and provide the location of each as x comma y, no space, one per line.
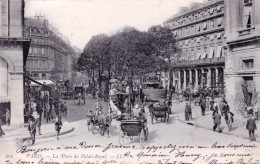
12,31
207,61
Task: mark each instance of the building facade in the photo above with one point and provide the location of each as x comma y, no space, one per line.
242,71
199,31
14,46
50,55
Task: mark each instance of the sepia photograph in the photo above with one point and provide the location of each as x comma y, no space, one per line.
129,81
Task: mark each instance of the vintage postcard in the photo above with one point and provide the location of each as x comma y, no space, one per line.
129,82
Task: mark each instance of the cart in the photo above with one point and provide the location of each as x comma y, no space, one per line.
131,128
159,112
79,94
99,124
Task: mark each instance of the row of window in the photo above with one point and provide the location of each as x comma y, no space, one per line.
38,75
37,63
200,27
195,16
37,50
197,40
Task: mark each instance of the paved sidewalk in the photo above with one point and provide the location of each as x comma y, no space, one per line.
47,130
206,122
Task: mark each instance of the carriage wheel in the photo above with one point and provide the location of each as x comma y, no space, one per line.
121,137
142,138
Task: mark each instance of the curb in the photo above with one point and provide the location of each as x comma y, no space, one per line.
54,134
203,127
42,136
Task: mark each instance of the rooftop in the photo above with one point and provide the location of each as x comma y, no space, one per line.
193,7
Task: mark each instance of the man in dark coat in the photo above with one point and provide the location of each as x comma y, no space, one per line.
251,127
203,105
187,111
39,110
32,129
217,121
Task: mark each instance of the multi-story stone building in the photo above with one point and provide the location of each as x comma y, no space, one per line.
199,31
242,61
14,46
220,44
50,54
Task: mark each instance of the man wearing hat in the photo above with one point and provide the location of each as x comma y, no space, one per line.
251,127
32,128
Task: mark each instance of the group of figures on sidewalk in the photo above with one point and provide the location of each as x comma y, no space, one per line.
222,109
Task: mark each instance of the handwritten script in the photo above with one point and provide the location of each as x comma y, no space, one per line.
84,153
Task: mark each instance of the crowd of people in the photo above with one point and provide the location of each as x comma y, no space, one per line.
46,104
222,109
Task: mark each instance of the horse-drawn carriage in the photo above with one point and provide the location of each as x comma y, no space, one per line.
161,111
131,128
99,123
79,94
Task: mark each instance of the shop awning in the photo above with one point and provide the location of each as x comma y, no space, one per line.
42,82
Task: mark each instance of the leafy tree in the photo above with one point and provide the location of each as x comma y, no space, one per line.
165,48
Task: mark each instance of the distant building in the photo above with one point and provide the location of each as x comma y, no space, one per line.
199,31
50,55
14,46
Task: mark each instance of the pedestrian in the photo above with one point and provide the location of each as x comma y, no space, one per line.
203,106
251,127
169,106
217,121
39,111
48,112
215,109
1,130
7,116
187,111
225,110
32,128
230,120
58,125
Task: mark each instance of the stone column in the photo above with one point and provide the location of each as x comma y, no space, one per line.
179,80
196,79
185,78
190,72
217,78
209,78
201,78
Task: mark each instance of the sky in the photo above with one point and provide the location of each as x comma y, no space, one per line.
79,20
